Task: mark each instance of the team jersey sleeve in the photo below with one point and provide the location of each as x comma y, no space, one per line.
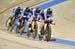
45,14
34,12
13,10
23,10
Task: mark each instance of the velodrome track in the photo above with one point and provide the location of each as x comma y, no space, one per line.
63,30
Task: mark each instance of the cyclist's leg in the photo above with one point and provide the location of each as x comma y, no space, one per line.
42,28
40,25
29,29
18,26
30,26
30,23
22,26
34,28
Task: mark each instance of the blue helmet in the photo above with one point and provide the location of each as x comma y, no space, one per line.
18,8
38,10
27,9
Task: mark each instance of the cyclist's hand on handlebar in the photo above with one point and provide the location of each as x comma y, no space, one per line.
53,23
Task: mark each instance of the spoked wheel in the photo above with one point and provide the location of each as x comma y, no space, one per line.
9,22
48,32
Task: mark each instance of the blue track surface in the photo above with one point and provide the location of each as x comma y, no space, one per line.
66,42
49,4
53,3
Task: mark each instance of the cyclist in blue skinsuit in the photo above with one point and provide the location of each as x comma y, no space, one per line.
48,14
16,13
26,16
46,17
36,20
